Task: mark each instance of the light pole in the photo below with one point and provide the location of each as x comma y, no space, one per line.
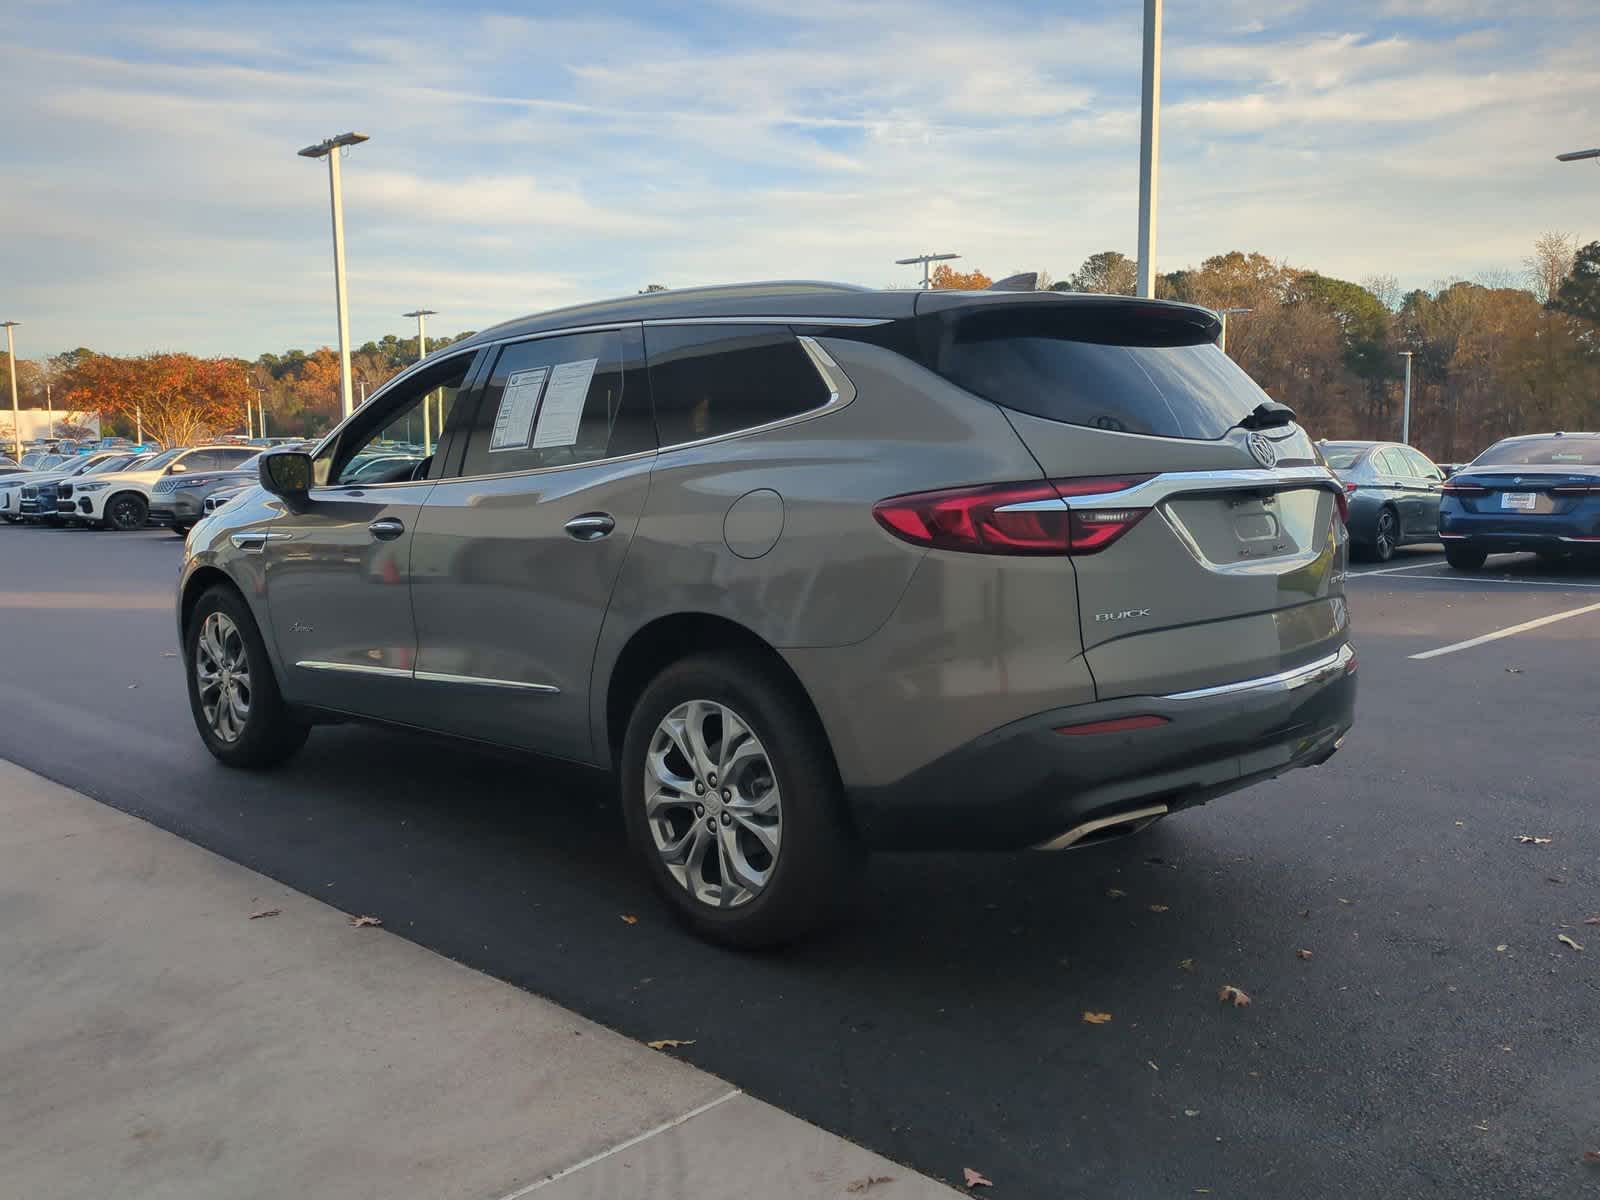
329,149
1405,412
421,315
924,259
1578,155
11,362
49,407
1222,338
1149,148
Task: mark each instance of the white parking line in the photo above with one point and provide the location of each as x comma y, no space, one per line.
1509,631
1391,570
1475,579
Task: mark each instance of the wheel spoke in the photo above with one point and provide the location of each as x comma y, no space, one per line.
766,835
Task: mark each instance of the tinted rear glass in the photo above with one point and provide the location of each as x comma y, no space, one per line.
1542,452
708,380
1038,361
1342,458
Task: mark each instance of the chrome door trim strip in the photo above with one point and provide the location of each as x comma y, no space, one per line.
1172,483
309,664
546,689
1286,681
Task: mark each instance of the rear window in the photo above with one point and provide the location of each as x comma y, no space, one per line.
1054,365
1342,458
709,380
1542,452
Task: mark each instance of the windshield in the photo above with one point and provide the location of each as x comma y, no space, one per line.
1342,458
162,459
114,463
1542,452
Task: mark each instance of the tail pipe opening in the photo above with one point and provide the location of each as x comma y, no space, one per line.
1103,829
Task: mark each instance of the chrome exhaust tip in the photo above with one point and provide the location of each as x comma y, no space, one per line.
1105,828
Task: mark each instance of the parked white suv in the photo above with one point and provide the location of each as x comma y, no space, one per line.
122,501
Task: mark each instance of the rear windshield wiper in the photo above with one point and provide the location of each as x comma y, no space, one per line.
1269,414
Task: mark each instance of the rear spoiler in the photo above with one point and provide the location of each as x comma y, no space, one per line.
1079,316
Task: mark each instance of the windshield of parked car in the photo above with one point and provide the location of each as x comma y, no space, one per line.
161,459
1342,458
1550,451
115,463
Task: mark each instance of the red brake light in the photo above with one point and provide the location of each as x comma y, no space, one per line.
1118,725
973,519
1341,501
1574,489
1453,488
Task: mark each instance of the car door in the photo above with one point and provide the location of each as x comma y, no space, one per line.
515,557
1429,491
338,569
1394,479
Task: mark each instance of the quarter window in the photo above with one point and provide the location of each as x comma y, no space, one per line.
708,380
560,401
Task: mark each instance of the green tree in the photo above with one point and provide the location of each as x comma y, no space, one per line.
1109,272
1579,293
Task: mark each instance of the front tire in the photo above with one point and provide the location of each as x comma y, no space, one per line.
233,695
1465,556
126,512
733,803
181,530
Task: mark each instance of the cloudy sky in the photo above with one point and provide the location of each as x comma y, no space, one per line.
535,154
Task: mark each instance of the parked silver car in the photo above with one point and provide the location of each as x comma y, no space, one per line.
811,569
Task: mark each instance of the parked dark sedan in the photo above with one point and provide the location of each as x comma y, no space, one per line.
178,501
1394,494
1540,492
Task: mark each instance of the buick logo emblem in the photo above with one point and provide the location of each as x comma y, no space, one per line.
1263,450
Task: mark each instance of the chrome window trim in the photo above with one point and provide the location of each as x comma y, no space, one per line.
308,664
1286,681
547,689
1173,483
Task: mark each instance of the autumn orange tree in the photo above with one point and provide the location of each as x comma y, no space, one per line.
179,398
960,281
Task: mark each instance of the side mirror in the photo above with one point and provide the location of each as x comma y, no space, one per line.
177,468
286,473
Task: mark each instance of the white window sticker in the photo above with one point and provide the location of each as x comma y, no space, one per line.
513,424
563,403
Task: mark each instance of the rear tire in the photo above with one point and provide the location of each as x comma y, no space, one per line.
1551,558
239,712
1385,535
782,858
181,530
126,512
1465,556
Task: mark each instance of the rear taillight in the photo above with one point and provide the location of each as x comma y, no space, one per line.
1456,488
1012,518
1574,489
1341,500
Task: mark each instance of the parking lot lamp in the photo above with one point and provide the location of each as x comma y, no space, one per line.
1222,338
924,259
11,361
421,315
329,149
1149,148
1578,155
1405,412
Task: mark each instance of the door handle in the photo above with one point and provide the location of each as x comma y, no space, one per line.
386,529
591,527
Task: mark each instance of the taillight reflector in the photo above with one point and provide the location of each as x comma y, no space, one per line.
1118,725
1453,488
1574,489
975,519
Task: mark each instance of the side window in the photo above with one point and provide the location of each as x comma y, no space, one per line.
1420,466
200,460
558,401
227,460
393,438
709,380
1390,463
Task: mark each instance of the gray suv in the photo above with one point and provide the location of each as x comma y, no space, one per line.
812,569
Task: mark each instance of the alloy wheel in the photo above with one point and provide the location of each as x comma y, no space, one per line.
222,671
1386,534
125,514
712,804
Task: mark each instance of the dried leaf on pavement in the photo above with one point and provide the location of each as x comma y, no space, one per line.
1526,839
265,912
1513,670
1096,1018
1229,994
1592,1157
1302,954
974,1179
629,919
1158,908
1591,920
1191,1112
1501,948
1186,964
169,654
670,1043
1567,941
871,1181
359,922
1115,893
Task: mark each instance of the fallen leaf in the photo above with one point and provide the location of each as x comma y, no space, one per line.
169,654
1567,941
974,1179
265,912
1115,893
1230,994
1342,900
1302,954
131,686
629,919
1501,948
1481,1128
1591,920
359,922
1513,670
1191,1112
1592,1157
1524,839
861,1185
1305,914
1158,908
670,1043
1096,1018
1150,1062
1186,964
1460,824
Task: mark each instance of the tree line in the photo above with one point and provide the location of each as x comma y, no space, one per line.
1491,358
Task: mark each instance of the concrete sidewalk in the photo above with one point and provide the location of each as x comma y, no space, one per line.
157,1041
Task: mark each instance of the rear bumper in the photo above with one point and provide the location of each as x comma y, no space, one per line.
1027,785
1497,532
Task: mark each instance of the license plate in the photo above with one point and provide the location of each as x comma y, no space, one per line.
1522,500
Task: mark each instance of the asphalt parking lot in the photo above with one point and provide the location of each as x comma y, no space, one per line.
1439,1040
